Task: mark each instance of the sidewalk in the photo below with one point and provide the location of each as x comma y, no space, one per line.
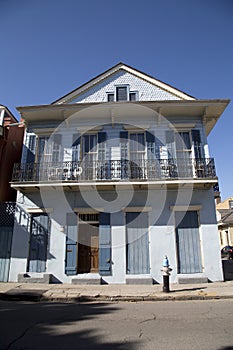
117,292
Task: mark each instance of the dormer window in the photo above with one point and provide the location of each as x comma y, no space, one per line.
132,96
122,93
110,97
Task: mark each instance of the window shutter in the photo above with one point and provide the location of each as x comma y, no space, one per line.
196,137
56,148
76,148
71,244
150,144
39,230
137,243
124,145
104,244
170,143
188,242
169,136
124,136
102,137
31,148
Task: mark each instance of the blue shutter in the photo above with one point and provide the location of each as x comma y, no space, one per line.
76,148
188,242
57,155
103,169
104,244
153,146
196,137
170,143
137,243
38,243
31,148
102,136
71,244
124,154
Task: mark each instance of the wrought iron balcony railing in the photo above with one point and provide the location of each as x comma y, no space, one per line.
115,170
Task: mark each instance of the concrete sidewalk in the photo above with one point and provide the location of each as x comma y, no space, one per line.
117,292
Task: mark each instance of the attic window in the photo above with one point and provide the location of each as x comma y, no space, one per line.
122,93
110,97
132,96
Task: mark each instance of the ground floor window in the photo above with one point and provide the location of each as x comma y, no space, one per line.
38,244
188,242
137,243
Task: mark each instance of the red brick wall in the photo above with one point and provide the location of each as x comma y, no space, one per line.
10,153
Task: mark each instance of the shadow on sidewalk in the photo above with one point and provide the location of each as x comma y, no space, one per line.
186,289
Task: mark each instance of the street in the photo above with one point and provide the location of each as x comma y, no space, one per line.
144,325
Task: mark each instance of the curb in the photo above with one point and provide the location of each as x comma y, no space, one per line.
36,297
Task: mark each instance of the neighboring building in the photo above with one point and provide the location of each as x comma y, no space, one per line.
11,142
225,221
115,175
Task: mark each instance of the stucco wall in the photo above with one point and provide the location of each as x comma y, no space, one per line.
161,230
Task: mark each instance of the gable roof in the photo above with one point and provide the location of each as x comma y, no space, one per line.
121,66
226,215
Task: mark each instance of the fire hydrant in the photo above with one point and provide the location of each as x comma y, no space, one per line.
166,273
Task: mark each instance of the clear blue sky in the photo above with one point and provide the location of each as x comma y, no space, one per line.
50,47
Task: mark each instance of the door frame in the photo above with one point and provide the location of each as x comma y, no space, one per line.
87,218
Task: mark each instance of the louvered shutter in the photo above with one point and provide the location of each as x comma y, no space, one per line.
196,137
30,148
104,244
39,231
71,244
137,243
188,242
76,148
170,143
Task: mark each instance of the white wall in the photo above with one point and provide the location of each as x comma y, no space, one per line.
161,234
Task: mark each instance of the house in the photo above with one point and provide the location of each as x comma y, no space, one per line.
225,221
11,141
115,175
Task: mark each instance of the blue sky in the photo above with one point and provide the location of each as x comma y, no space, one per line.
50,47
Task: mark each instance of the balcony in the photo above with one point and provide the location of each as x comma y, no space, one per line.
114,171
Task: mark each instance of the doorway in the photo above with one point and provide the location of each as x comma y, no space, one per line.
88,243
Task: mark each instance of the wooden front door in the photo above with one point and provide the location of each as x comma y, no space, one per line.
88,247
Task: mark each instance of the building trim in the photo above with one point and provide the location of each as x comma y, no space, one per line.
90,210
39,210
185,207
137,209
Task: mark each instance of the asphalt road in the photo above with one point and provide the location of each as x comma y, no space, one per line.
145,325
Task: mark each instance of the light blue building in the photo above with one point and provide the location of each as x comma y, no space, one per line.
115,175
